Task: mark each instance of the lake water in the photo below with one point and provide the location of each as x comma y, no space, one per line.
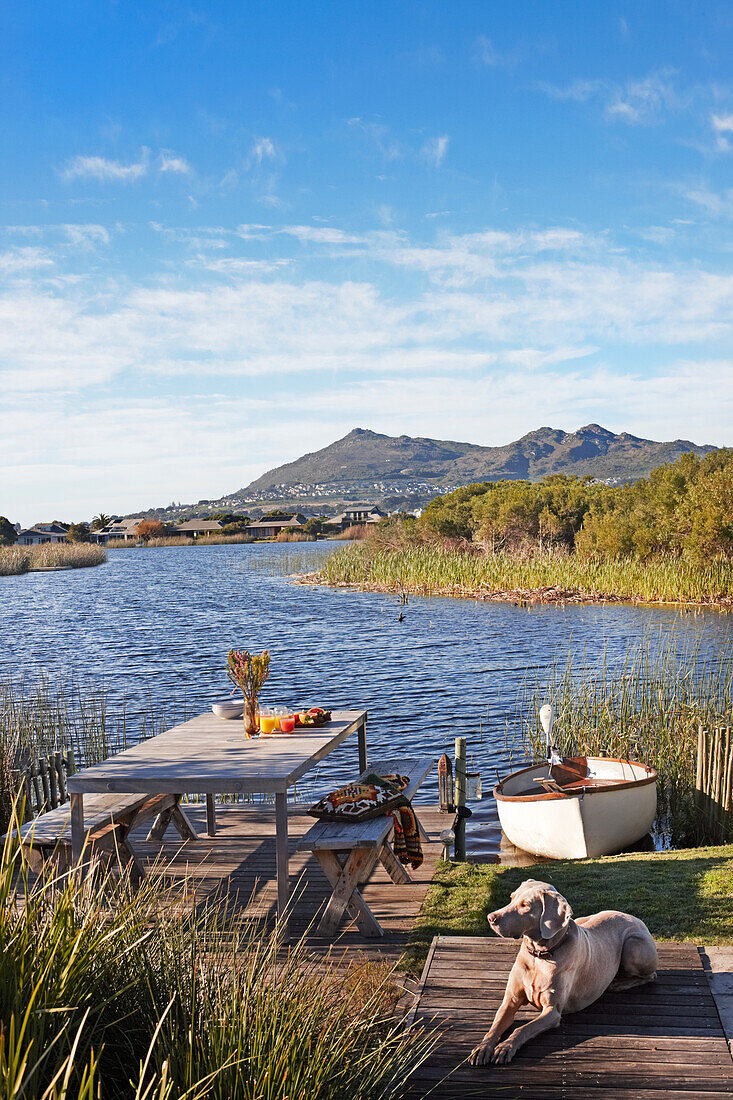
156,624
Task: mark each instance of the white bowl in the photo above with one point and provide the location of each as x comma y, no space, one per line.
228,709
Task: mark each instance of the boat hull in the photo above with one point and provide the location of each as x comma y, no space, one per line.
615,810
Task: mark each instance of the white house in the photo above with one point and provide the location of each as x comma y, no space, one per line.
356,515
119,529
43,532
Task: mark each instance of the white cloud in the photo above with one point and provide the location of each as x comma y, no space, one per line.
86,236
486,52
321,234
263,149
642,102
435,149
172,162
100,168
18,261
379,135
479,336
579,90
722,125
717,204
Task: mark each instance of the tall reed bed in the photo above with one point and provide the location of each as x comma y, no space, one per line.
437,570
293,536
60,555
648,707
142,996
176,540
39,715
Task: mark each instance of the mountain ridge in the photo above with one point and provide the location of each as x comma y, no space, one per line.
591,449
407,471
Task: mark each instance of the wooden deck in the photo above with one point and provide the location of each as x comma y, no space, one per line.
662,1041
239,864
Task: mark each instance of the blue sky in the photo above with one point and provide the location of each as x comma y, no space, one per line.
232,232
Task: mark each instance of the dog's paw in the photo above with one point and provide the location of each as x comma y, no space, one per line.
503,1053
481,1054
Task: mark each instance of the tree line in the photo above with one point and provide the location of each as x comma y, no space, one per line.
684,509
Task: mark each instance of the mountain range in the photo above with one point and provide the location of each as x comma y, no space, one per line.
406,471
366,456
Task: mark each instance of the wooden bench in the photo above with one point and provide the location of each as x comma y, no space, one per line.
108,820
348,851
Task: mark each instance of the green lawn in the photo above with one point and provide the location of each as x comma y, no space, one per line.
684,895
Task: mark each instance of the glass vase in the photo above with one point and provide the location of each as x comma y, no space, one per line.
251,717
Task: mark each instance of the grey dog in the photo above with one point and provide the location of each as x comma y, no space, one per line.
563,964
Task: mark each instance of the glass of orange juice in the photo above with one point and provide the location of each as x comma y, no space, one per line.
267,720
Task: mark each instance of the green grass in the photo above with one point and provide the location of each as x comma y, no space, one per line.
684,895
428,569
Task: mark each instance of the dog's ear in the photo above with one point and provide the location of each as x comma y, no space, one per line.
556,914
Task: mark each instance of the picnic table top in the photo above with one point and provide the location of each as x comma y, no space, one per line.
211,755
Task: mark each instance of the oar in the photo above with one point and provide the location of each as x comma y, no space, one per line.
546,719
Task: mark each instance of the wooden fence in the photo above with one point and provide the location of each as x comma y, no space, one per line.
713,780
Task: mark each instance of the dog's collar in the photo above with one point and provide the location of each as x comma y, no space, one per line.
541,951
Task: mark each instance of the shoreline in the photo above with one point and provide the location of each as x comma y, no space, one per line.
520,597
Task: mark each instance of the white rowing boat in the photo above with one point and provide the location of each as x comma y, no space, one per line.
576,807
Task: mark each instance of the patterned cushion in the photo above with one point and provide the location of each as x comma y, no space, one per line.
371,796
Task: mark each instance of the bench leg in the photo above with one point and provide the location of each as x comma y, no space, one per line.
423,834
345,879
78,834
211,814
182,824
127,857
392,866
159,826
282,864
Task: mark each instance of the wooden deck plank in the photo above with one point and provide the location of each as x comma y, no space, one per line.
661,1040
239,865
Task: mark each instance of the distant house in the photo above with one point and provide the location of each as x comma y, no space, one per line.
195,528
271,528
125,529
43,532
357,515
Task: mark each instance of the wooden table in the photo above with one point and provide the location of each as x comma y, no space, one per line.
211,755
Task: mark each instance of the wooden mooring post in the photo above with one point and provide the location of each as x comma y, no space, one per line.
460,799
714,779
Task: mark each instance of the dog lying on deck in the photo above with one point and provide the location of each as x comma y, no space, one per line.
563,965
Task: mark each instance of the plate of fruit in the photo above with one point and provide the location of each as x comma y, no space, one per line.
313,718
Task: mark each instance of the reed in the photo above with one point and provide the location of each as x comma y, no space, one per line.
62,555
14,560
351,534
293,536
108,993
39,716
176,540
649,706
431,569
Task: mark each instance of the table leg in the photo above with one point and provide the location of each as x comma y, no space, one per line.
362,747
281,848
210,815
77,828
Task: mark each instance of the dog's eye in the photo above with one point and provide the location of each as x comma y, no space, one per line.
524,908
